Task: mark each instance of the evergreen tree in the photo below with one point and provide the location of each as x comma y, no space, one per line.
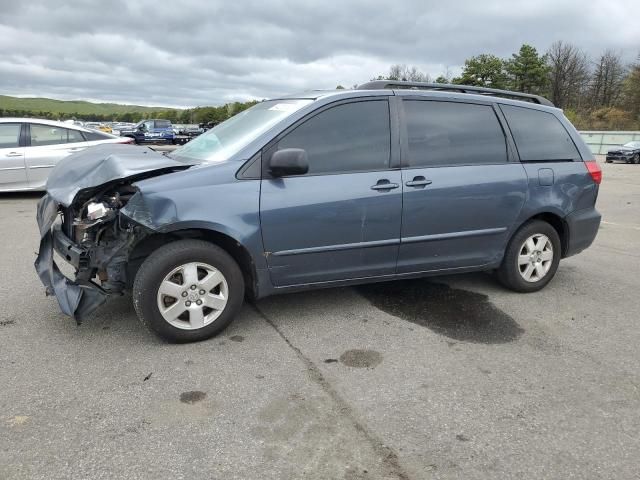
528,71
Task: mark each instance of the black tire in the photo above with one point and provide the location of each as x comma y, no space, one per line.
168,257
608,161
636,158
509,272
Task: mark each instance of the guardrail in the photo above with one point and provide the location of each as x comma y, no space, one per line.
600,141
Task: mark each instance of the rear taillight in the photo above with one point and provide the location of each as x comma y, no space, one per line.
595,171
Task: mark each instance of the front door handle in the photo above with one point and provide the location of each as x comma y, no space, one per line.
14,154
419,182
384,185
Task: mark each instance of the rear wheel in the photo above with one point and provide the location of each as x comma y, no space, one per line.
188,290
532,257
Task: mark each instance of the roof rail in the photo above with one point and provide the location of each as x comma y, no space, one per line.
448,87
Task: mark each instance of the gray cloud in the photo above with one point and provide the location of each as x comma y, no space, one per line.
203,52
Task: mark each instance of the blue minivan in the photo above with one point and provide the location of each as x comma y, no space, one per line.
391,180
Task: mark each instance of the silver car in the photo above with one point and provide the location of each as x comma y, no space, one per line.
30,148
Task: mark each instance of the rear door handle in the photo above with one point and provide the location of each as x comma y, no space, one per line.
384,185
14,154
418,181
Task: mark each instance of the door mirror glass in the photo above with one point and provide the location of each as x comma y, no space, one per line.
289,161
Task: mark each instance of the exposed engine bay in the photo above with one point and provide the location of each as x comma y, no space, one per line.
82,219
105,237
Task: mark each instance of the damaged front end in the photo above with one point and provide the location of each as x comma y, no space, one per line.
80,219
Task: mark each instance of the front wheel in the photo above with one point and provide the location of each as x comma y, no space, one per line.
532,257
188,290
636,158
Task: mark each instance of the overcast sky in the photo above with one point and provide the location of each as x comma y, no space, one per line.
208,52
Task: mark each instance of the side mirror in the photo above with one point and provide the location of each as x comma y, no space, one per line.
289,161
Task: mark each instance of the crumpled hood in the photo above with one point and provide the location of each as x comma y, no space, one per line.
99,165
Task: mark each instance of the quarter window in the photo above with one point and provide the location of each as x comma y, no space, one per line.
9,135
539,135
74,136
346,138
452,133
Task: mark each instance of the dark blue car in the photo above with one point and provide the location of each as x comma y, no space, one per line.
322,189
151,131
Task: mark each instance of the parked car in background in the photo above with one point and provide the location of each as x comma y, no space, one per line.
389,181
150,131
102,127
118,127
30,148
628,153
186,132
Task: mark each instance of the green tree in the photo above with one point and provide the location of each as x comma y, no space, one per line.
631,90
528,71
485,70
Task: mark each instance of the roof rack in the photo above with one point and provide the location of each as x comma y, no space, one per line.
448,87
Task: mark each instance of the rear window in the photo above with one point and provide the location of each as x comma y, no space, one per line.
93,136
163,124
539,135
452,133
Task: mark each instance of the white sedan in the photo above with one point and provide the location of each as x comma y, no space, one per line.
30,148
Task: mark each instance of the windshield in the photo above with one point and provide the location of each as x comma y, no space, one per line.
230,136
632,144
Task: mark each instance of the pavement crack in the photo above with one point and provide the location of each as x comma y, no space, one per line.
388,455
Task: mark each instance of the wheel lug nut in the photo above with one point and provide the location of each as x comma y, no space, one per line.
202,292
199,302
187,303
193,287
184,294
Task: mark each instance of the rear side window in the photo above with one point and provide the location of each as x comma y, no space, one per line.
163,124
346,138
451,133
539,135
9,135
42,135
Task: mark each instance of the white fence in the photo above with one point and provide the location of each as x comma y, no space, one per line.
600,142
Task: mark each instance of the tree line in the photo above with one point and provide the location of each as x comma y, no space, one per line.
196,115
600,93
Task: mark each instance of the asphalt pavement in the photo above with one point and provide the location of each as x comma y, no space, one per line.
450,377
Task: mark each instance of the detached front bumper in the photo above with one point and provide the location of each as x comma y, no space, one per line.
76,299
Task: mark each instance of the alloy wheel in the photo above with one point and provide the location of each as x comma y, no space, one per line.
535,257
192,295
